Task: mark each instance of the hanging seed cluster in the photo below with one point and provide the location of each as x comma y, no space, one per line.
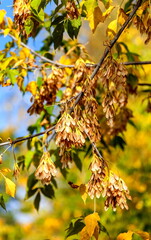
21,13
46,169
109,186
46,94
72,11
143,20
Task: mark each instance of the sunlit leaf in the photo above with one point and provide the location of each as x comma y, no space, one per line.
122,17
2,15
91,222
32,87
112,29
10,187
125,236
5,170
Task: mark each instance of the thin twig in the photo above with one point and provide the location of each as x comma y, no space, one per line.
137,63
27,138
144,84
37,54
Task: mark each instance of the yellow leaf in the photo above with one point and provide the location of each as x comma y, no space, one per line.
7,62
107,13
6,31
112,29
122,17
125,236
10,187
95,18
91,222
142,8
5,170
143,235
32,87
84,234
18,63
2,15
10,22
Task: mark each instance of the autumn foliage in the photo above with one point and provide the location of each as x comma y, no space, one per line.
83,108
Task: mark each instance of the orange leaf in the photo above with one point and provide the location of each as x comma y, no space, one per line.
32,87
84,234
125,236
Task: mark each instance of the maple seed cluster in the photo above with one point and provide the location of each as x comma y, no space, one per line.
112,187
21,14
47,92
68,135
143,21
113,76
72,11
46,169
116,193
96,184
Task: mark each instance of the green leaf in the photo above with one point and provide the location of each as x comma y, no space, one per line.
48,191
56,2
49,109
30,184
2,202
75,227
28,158
77,161
58,35
35,4
132,80
57,20
37,201
118,141
31,181
12,73
41,15
103,229
30,193
73,27
29,25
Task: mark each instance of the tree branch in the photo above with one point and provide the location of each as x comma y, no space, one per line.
137,63
26,138
144,84
37,54
79,96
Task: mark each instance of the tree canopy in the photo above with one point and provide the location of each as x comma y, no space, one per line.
87,150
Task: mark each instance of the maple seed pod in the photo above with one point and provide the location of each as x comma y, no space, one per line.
46,169
117,193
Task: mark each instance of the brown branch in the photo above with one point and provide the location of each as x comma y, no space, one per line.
137,63
144,84
27,138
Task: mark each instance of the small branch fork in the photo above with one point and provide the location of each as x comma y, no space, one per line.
80,95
